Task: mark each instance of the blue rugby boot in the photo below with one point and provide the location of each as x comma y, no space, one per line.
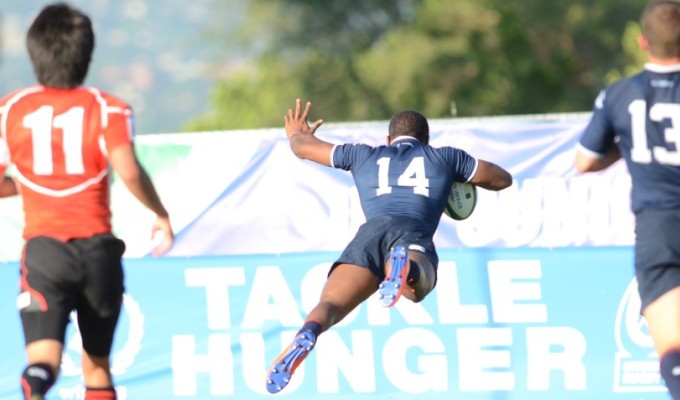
282,369
391,289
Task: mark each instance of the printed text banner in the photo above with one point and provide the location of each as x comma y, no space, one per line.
242,192
511,324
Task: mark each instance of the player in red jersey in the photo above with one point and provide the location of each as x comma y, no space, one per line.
62,138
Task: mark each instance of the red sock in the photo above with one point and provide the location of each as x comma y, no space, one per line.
100,394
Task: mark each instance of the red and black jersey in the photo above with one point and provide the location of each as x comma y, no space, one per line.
58,141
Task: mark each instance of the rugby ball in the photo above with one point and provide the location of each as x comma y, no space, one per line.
462,200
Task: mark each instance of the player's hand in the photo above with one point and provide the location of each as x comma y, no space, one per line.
161,232
296,121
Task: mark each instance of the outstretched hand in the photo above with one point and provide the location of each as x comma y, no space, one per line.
296,121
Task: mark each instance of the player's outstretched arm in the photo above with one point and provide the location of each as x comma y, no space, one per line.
491,177
303,143
8,187
126,165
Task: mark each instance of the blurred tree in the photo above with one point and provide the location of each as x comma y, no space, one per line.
363,60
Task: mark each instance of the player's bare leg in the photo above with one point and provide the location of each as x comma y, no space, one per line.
413,278
663,319
97,376
346,288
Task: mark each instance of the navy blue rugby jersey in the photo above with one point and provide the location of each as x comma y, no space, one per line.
641,114
406,179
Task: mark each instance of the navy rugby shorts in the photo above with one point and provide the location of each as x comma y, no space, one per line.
657,253
82,275
375,238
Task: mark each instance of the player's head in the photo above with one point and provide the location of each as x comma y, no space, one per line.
410,123
660,23
60,42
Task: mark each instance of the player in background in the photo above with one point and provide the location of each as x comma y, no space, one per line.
403,188
639,118
62,138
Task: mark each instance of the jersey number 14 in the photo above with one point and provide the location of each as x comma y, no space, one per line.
413,176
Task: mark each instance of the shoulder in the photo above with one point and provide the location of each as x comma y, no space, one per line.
18,94
632,86
354,148
448,151
108,100
348,155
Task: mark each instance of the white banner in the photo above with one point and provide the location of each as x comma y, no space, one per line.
244,192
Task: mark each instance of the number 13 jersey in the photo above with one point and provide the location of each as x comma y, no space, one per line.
58,141
641,114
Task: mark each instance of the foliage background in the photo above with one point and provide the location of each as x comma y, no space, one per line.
363,60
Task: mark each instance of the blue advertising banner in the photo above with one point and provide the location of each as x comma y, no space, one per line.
502,324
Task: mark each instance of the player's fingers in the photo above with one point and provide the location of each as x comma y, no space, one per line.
163,240
308,108
297,108
162,248
316,124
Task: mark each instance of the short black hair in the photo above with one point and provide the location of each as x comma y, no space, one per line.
60,42
410,123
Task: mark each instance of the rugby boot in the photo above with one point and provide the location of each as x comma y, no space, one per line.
284,366
391,289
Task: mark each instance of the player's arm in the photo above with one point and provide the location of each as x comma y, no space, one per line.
124,162
8,187
587,161
303,142
597,148
491,176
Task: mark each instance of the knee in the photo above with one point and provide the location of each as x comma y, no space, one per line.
419,293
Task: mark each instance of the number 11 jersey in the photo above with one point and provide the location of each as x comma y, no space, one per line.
58,141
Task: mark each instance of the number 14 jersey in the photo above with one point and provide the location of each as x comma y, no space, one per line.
407,178
58,141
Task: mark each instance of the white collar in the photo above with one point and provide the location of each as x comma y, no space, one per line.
403,137
662,69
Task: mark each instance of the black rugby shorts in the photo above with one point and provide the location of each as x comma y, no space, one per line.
82,275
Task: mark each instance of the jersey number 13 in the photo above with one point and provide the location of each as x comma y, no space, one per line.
640,151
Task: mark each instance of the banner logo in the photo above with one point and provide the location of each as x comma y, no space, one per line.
636,367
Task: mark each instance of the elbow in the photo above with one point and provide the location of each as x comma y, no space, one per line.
505,181
581,169
131,177
582,166
586,163
502,181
